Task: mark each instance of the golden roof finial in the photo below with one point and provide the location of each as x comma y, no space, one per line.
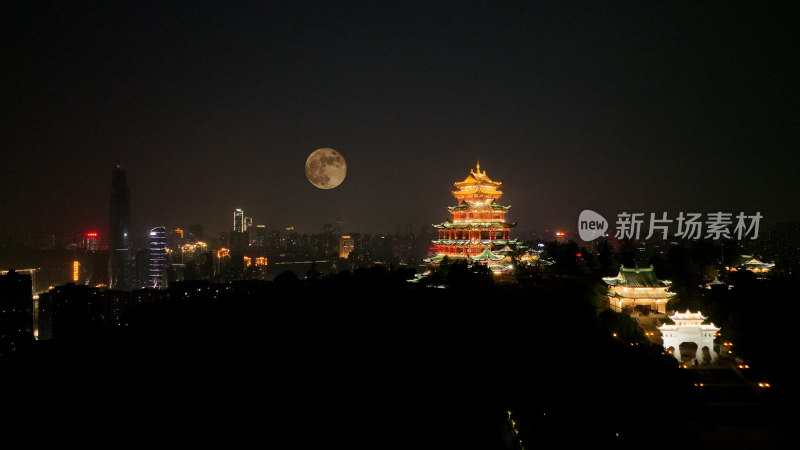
479,166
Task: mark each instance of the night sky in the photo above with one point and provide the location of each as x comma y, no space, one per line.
614,106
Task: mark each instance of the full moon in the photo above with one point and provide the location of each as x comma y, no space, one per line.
325,168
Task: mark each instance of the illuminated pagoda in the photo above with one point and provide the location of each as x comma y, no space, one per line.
477,232
638,287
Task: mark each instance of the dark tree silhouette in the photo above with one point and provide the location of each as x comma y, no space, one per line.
564,256
627,254
605,259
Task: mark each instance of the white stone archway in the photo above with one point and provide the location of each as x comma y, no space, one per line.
689,327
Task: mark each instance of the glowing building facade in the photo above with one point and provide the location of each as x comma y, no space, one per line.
193,252
689,327
158,258
638,287
239,225
478,230
91,241
346,245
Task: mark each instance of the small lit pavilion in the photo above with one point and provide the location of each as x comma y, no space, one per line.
713,283
753,264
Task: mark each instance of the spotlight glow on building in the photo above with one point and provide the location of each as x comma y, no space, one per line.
346,245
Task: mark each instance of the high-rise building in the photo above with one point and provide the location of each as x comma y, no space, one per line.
175,238
91,241
195,232
29,272
238,220
346,245
249,235
71,310
158,258
339,228
120,258
16,311
260,236
274,242
237,241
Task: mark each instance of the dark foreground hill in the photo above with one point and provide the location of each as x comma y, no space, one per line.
350,364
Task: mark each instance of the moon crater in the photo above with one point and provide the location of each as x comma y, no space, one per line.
326,168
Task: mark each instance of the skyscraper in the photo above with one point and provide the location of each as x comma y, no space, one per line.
195,233
346,245
91,241
120,262
260,236
238,220
16,312
158,257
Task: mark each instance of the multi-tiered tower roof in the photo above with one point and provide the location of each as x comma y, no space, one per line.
634,287
478,230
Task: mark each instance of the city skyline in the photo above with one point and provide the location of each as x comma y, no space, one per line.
646,107
447,224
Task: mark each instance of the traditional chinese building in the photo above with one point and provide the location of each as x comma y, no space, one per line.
638,287
477,230
713,284
753,264
688,327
